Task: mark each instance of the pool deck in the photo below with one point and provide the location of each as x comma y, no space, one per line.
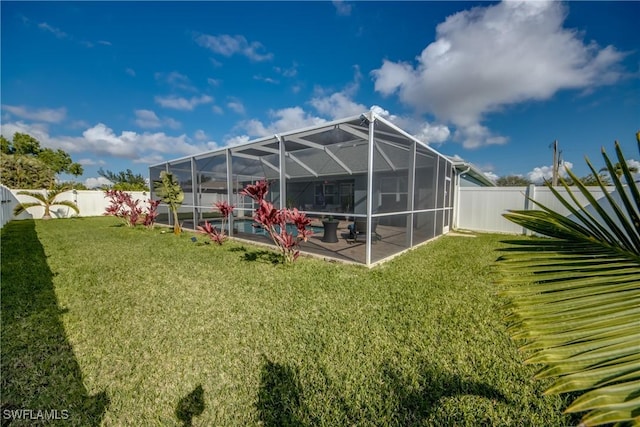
392,241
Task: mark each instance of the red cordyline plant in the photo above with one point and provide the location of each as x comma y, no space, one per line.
123,206
219,237
274,221
152,213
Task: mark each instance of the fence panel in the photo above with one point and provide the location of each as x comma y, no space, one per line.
90,203
481,208
8,201
477,208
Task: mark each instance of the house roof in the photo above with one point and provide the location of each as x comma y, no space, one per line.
471,172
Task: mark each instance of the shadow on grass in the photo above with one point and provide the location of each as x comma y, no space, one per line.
190,406
280,399
39,370
255,255
417,402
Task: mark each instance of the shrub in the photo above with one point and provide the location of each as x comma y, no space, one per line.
274,221
151,214
122,205
170,192
219,237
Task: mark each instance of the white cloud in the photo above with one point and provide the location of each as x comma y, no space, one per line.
217,109
237,140
92,162
131,144
78,124
179,103
200,135
475,135
432,133
342,8
340,104
130,71
634,164
487,58
149,159
254,127
49,115
539,174
214,82
228,45
176,80
37,130
491,175
172,123
266,79
287,72
100,140
104,42
429,133
236,106
103,140
148,119
285,119
382,112
337,105
53,30
97,182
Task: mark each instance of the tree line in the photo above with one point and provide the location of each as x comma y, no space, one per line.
25,164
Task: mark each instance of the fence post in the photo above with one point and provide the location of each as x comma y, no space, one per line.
529,195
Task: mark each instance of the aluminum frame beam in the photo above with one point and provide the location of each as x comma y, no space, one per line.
325,149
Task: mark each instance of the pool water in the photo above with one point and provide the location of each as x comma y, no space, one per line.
246,227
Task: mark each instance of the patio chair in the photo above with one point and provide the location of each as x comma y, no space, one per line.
359,229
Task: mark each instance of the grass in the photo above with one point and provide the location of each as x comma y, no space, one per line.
123,326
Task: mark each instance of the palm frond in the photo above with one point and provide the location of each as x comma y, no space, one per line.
38,196
574,296
45,200
68,204
24,206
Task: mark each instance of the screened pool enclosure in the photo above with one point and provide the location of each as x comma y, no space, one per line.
360,170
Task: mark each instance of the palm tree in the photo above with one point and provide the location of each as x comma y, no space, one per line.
170,192
46,200
575,297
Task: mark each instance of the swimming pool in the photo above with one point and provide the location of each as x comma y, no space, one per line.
245,226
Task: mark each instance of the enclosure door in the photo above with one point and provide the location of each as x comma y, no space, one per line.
447,204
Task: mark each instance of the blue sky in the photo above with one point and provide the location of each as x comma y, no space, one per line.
123,85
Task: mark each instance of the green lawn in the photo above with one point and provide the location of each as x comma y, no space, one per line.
123,326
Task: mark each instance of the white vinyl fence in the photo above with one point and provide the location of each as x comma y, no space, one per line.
8,201
481,208
90,203
476,208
